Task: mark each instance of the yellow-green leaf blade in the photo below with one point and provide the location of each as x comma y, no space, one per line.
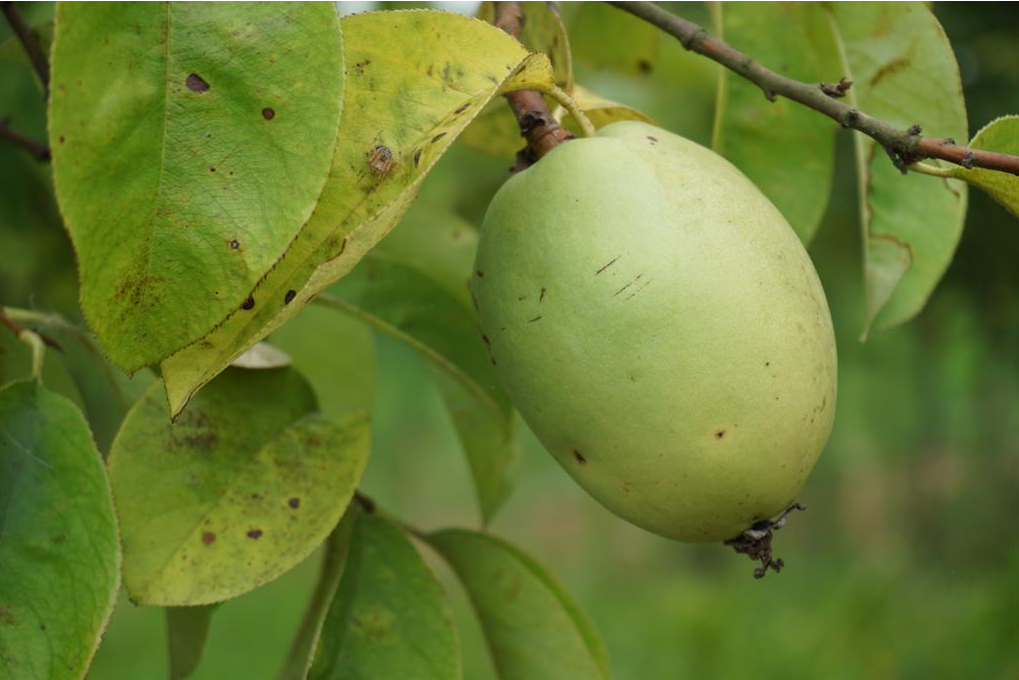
405,102
59,557
190,143
1001,135
902,75
389,617
786,149
535,630
236,492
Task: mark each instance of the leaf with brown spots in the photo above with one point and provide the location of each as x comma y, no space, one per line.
204,502
404,97
161,147
534,629
911,224
389,617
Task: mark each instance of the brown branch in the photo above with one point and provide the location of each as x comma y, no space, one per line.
905,147
29,42
542,132
39,151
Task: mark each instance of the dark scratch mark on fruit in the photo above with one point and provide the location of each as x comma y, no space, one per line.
606,266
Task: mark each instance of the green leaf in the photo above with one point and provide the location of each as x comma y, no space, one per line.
786,149
405,102
413,286
334,561
389,617
190,143
903,72
607,38
59,557
335,354
244,485
535,630
186,630
1001,135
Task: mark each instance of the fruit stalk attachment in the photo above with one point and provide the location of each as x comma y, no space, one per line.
755,542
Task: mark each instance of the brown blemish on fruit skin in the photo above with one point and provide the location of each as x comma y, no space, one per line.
255,534
196,83
294,502
268,113
606,265
480,274
234,244
580,458
417,157
289,297
534,319
719,434
541,296
208,538
438,137
249,303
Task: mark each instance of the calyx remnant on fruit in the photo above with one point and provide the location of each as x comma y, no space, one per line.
661,329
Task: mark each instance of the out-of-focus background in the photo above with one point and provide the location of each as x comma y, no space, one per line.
906,564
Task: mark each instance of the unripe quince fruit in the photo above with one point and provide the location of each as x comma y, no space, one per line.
660,328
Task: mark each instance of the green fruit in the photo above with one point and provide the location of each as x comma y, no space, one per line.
660,328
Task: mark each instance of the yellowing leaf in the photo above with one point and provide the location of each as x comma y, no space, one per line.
405,100
59,558
236,492
786,149
190,143
902,68
1001,135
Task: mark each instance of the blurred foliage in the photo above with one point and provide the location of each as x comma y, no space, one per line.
905,564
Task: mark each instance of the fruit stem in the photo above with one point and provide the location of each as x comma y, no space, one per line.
537,125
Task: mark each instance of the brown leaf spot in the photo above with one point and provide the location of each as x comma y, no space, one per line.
719,434
380,159
417,157
255,534
234,244
208,538
289,297
644,66
249,303
294,502
268,113
196,83
463,108
438,137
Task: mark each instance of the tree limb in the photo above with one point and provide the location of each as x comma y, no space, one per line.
39,151
29,42
542,132
905,147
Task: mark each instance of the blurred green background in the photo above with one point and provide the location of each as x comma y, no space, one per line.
906,564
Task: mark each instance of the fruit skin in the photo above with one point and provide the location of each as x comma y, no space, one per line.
660,328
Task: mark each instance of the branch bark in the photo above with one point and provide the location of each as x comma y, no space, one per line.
905,147
39,151
28,41
542,132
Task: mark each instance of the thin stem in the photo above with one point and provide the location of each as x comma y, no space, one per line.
38,348
568,103
38,150
28,40
905,147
